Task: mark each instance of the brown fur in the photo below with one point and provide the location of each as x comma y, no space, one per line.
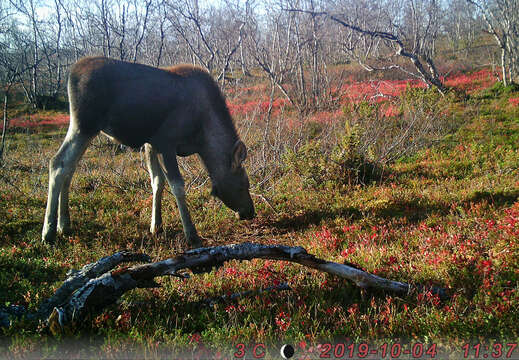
186,70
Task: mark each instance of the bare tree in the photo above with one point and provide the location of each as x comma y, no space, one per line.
289,48
292,41
191,25
140,26
275,51
27,10
212,35
14,63
461,26
387,29
43,39
161,7
502,21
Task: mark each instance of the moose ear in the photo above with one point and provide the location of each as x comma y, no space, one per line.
239,154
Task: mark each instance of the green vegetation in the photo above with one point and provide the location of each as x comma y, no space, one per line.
444,211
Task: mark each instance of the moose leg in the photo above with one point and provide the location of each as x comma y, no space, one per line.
172,173
157,185
61,169
63,210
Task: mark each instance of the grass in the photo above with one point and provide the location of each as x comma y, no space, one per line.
446,215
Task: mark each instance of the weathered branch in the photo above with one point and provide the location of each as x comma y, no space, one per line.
75,280
95,286
78,278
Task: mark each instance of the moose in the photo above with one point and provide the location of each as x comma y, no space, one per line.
172,111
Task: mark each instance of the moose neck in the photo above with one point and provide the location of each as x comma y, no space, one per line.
216,153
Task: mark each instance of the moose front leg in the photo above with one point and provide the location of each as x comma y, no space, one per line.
174,178
61,169
157,185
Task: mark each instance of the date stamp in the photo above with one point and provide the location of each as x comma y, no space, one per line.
365,350
387,350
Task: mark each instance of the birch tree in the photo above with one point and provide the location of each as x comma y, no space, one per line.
502,21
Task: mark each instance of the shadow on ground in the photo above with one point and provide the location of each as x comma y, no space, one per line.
414,211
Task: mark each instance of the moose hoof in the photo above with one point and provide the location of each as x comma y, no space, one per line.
49,237
196,242
156,230
65,229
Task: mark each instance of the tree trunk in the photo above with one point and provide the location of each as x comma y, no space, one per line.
503,66
5,121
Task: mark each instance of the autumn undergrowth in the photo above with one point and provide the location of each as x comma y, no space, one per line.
444,212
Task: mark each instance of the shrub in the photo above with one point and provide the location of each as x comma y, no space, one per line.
422,117
308,162
498,89
342,164
350,165
371,138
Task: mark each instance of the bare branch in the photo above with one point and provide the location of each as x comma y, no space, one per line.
431,78
96,286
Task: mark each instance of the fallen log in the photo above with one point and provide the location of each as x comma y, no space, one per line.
78,278
75,280
91,295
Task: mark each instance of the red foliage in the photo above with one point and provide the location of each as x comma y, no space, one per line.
354,309
259,105
349,251
123,321
325,239
514,101
30,121
377,91
247,90
472,81
283,321
326,117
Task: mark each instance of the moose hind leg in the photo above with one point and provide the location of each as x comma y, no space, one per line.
172,173
61,169
157,185
63,209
